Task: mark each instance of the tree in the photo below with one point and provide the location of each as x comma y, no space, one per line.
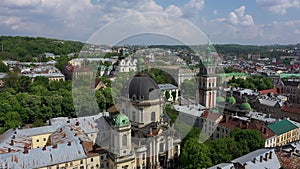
195,155
167,95
248,138
223,150
173,93
172,113
3,67
12,120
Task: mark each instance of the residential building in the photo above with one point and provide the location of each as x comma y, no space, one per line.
286,132
287,156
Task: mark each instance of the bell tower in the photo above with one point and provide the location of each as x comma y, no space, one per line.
121,136
207,80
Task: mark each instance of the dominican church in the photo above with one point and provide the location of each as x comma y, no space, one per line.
138,134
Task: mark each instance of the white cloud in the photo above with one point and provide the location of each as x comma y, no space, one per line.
174,10
240,11
279,6
247,20
233,18
196,4
193,7
238,17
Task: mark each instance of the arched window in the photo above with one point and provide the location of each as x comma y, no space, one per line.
124,140
153,116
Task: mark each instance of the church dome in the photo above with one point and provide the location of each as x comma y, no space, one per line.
220,99
245,106
122,120
141,87
231,100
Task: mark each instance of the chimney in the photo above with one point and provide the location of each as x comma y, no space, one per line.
44,148
11,142
69,143
270,155
254,160
9,150
245,166
265,130
13,137
226,119
266,156
261,158
60,130
25,150
247,125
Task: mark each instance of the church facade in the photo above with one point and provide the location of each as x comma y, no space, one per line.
139,134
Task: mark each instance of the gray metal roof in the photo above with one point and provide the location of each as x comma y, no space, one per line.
192,109
167,86
39,158
222,166
249,158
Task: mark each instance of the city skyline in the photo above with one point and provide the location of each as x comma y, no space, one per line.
259,22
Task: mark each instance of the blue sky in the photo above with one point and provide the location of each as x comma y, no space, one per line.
231,21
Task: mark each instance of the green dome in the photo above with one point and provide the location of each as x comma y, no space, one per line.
220,99
245,106
230,99
122,120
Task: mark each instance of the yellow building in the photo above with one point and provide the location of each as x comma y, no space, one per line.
286,132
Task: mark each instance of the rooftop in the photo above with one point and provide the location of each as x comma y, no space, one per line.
282,126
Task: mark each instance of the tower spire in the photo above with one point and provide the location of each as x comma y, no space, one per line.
140,65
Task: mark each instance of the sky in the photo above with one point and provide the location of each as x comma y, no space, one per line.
257,22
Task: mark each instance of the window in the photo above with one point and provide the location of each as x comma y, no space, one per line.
81,161
133,116
44,139
101,157
92,159
124,140
153,116
37,140
161,147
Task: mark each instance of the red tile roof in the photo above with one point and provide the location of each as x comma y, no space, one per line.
232,123
291,109
274,91
210,116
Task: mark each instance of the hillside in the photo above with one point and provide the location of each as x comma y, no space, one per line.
25,48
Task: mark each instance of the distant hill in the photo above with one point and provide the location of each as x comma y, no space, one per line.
25,48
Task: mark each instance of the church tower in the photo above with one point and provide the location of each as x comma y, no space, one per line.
207,80
120,148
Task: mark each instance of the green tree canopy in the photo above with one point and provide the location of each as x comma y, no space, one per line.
195,155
